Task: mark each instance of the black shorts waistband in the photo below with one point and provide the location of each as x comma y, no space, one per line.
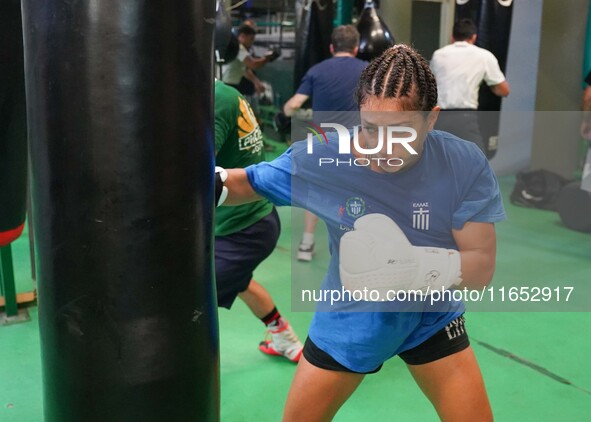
459,109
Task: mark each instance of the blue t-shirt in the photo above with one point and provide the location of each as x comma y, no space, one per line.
450,185
331,84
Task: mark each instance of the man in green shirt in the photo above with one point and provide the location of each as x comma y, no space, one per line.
247,234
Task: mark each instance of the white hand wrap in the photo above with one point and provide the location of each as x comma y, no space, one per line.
376,255
221,192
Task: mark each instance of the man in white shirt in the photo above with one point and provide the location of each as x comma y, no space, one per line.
244,63
459,69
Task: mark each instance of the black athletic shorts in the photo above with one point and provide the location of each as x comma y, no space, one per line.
238,254
453,338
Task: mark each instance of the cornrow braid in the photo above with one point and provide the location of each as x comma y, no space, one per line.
400,72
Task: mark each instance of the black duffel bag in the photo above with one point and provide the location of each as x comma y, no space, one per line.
538,189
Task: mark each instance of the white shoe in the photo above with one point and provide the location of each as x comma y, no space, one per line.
283,342
305,252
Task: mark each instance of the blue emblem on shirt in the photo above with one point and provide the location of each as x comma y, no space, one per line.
355,207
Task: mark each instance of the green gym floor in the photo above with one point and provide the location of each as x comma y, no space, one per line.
537,366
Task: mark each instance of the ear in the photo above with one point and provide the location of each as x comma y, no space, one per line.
355,51
331,47
432,118
473,39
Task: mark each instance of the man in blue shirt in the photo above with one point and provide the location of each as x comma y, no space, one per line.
331,84
407,213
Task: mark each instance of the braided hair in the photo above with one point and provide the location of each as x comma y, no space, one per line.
401,73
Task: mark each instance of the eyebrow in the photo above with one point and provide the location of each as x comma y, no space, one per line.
404,123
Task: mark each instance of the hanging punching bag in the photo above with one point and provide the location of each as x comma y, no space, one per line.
13,124
494,32
312,36
374,35
468,9
493,20
574,207
226,43
119,97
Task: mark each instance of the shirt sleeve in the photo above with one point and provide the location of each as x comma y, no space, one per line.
242,53
493,74
225,121
272,180
482,202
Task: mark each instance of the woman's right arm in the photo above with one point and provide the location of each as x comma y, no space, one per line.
240,190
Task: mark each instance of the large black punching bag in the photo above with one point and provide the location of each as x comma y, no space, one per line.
468,9
13,124
312,36
493,20
226,43
119,97
574,207
374,35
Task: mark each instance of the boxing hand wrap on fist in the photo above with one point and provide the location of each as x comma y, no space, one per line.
377,255
221,192
273,54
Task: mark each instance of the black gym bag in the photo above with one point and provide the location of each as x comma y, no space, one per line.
538,189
